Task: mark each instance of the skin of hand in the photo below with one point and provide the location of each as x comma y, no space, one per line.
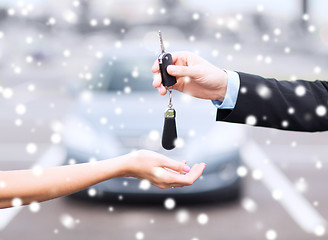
49,183
195,76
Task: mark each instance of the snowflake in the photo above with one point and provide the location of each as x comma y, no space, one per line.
144,185
93,22
291,110
239,17
17,70
271,234
140,235
99,54
106,21
202,219
182,216
92,192
251,120
277,31
20,109
237,47
127,90
11,12
34,207
300,90
29,40
55,138
191,133
263,91
242,171
71,161
118,44
195,16
243,90
76,3
301,185
317,70
312,28
287,50
16,202
3,184
67,53
260,8
277,194
31,148
218,35
220,21
169,203
154,135
215,53
318,164
29,59
321,110
284,123
37,170
179,143
67,221
268,60
103,120
305,17
18,122
249,205
257,174
319,230
265,38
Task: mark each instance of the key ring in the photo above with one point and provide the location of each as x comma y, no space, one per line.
170,102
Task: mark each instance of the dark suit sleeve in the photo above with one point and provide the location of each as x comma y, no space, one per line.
289,105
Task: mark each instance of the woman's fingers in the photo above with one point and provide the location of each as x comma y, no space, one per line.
181,180
180,167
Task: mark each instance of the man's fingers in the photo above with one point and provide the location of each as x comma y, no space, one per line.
157,80
181,71
162,90
157,83
155,67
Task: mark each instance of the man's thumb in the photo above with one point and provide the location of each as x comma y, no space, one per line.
180,71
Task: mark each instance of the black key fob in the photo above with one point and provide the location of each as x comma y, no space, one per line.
164,60
169,131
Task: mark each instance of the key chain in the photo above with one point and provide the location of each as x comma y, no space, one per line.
169,130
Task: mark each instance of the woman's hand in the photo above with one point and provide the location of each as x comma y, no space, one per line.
195,76
160,170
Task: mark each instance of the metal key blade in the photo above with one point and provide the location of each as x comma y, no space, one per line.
161,41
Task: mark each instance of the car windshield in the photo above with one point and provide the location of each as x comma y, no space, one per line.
126,75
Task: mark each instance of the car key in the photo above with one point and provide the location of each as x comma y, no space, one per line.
169,130
165,59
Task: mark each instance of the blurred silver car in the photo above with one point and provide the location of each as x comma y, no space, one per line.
119,111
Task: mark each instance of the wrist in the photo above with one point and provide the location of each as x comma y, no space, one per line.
118,167
222,90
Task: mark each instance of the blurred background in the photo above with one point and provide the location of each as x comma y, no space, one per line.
75,86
